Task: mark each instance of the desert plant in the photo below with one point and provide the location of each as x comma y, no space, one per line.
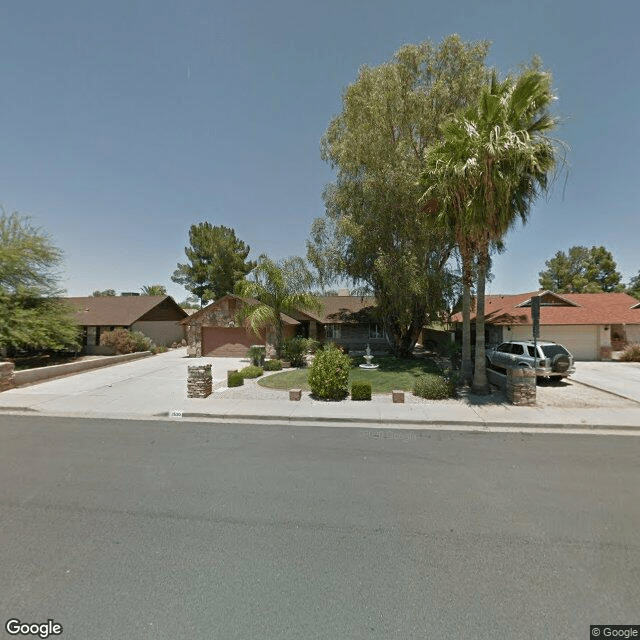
631,353
360,390
329,374
272,365
125,341
433,387
256,354
235,379
158,349
251,371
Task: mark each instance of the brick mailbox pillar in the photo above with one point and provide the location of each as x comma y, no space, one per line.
521,386
199,381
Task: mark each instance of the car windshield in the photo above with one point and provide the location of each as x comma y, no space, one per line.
551,350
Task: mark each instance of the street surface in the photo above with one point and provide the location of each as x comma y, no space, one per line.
173,530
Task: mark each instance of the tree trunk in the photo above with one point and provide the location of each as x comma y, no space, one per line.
279,333
480,383
466,371
402,342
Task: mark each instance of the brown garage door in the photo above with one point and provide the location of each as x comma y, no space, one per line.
226,341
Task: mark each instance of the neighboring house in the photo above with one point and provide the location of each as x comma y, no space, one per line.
157,317
590,325
346,320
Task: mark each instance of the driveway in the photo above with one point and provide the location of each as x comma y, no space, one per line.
621,378
146,386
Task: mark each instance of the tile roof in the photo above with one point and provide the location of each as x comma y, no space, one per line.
252,301
336,309
115,310
579,308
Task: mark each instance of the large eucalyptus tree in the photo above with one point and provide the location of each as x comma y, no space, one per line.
379,235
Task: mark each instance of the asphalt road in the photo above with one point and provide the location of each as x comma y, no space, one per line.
128,530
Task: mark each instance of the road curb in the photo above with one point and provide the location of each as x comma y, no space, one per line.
415,424
335,420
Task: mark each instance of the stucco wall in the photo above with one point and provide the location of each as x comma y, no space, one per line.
162,332
633,333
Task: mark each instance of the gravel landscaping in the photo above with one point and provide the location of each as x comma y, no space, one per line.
566,394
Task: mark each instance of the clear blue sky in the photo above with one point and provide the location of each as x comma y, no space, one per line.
124,122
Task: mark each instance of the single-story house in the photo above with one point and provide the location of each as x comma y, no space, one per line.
590,325
157,317
346,320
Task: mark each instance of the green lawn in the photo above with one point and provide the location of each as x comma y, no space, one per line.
392,374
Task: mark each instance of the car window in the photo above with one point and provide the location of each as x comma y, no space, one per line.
518,349
531,351
551,350
505,347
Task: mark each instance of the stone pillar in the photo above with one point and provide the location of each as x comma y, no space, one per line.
605,353
7,380
199,381
521,386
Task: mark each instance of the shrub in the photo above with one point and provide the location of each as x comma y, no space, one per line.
329,374
235,379
251,372
294,350
158,349
142,343
631,353
312,345
272,365
256,354
361,390
125,341
433,387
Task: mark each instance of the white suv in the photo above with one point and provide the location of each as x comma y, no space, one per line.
551,361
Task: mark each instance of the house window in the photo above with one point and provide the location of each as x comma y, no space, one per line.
332,331
375,331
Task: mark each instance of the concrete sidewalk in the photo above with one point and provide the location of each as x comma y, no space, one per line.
156,387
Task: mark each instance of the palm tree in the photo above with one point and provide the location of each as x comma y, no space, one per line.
154,290
282,287
494,161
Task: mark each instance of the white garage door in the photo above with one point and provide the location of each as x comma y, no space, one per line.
581,340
